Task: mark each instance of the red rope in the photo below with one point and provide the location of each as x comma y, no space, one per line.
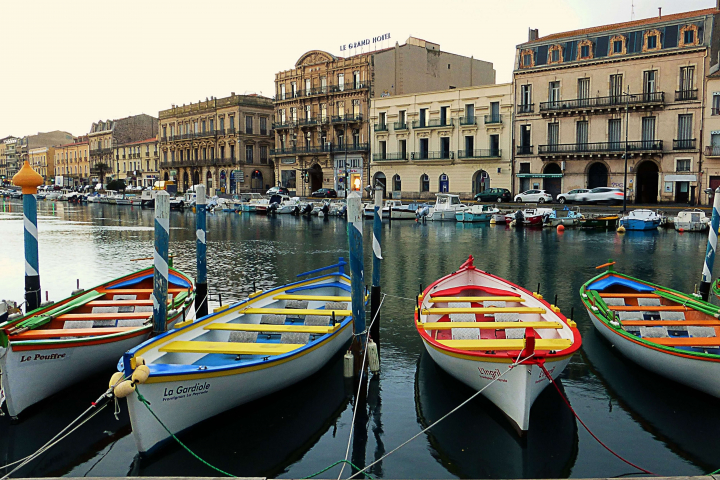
547,374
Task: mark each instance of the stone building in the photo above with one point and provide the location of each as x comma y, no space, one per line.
322,131
42,160
455,141
711,134
9,159
72,162
138,163
105,135
222,142
581,94
41,139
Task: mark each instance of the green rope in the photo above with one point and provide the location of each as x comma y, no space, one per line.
712,473
147,405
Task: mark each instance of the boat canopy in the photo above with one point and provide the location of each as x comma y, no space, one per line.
611,281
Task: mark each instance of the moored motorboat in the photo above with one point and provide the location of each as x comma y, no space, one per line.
529,216
477,213
568,217
243,352
641,219
599,222
405,212
665,331
289,205
476,326
691,221
67,341
445,208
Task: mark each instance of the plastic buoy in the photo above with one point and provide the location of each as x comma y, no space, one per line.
115,379
124,389
513,223
141,373
561,228
348,365
493,221
681,230
621,229
373,357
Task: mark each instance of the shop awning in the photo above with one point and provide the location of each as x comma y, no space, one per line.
681,178
539,175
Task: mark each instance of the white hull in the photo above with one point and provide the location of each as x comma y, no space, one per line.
695,373
402,214
514,393
214,395
691,226
442,215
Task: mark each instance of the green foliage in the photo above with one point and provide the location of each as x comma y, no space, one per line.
118,185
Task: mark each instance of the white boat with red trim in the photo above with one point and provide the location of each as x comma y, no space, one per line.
476,326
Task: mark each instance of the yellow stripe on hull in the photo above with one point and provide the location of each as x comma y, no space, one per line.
316,298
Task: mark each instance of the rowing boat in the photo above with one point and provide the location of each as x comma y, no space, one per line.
476,326
239,353
665,331
63,343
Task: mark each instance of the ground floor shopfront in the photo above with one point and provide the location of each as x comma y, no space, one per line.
302,175
222,179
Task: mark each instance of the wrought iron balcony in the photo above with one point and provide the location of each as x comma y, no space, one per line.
348,87
351,147
524,150
685,95
400,126
433,123
525,108
441,155
390,156
613,101
348,118
684,144
308,121
614,148
712,151
100,151
490,119
282,125
468,120
381,127
480,153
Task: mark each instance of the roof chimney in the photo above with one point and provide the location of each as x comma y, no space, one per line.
659,12
232,94
533,33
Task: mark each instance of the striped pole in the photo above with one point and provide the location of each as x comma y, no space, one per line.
357,282
375,292
160,277
201,307
711,248
29,180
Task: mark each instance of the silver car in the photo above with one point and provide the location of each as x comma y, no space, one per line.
572,195
603,194
539,196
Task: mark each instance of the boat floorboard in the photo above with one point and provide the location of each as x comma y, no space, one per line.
475,299
686,341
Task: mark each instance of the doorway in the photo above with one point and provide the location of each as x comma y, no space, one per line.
597,175
682,192
315,177
256,181
481,182
444,183
379,180
646,182
186,182
552,185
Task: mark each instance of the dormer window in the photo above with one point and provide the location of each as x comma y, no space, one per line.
527,59
617,45
652,41
585,51
555,54
689,36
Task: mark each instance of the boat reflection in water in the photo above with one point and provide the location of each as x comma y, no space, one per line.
477,441
261,438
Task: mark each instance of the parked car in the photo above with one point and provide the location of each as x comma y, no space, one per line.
498,195
539,196
603,194
572,195
278,191
324,193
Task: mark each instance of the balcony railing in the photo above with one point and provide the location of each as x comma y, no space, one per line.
390,156
684,144
526,108
281,125
712,151
600,147
433,123
441,155
100,151
308,121
351,147
349,118
489,119
381,127
468,120
480,153
603,102
400,126
524,150
685,95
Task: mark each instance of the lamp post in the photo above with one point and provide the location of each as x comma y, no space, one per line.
627,119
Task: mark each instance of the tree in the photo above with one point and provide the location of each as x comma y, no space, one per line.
118,185
102,169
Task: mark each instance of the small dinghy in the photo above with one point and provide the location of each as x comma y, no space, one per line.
476,325
665,331
477,213
238,354
63,343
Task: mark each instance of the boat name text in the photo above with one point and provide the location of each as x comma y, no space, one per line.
182,392
490,374
39,356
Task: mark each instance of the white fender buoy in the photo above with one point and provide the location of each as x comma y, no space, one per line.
621,229
139,361
124,389
348,365
115,379
493,221
373,357
141,374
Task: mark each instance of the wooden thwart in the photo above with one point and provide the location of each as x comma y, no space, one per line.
489,325
686,341
230,348
130,291
475,299
245,327
295,311
670,323
507,344
105,316
628,295
313,298
649,308
72,332
443,311
120,303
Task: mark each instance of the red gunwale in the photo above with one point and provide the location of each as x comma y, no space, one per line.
509,355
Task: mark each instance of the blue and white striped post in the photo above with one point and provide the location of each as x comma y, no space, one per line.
29,180
375,292
711,248
160,276
201,306
357,282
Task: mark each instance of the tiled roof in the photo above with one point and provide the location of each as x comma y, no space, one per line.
151,139
635,23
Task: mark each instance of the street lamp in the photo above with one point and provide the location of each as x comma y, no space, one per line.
627,118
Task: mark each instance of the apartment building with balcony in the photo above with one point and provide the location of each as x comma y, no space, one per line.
72,162
455,141
138,163
42,160
322,130
104,136
584,98
711,133
9,159
224,143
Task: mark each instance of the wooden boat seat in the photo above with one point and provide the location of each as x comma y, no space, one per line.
103,316
118,303
230,348
75,332
628,295
490,325
297,311
244,327
475,299
686,341
671,323
131,291
646,308
313,298
454,291
505,344
484,310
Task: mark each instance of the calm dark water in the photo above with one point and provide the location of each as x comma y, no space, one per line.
662,426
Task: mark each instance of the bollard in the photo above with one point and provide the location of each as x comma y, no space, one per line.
201,306
355,240
160,276
29,180
711,247
375,292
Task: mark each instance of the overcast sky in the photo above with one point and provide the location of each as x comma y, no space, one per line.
69,63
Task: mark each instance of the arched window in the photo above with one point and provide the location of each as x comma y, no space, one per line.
397,184
424,183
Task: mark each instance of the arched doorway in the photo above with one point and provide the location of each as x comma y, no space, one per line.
597,175
552,185
481,181
223,182
186,182
256,181
397,183
196,178
209,182
315,177
444,183
166,177
379,180
424,183
646,182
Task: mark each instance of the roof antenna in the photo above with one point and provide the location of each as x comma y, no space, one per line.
632,10
659,12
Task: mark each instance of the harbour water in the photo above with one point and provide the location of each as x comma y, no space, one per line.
657,424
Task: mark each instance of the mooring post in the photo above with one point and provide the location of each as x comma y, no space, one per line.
711,247
29,180
201,306
160,276
375,292
355,239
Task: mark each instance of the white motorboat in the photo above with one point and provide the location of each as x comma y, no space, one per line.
691,221
338,208
289,205
476,214
641,219
405,211
445,208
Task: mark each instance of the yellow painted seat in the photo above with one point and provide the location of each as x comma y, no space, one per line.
449,310
507,344
475,299
296,311
489,325
230,348
313,298
244,327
